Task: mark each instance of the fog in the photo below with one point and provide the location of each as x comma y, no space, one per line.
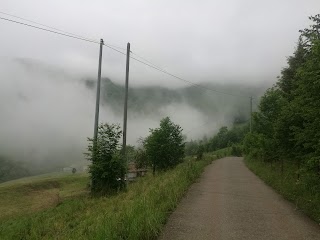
46,111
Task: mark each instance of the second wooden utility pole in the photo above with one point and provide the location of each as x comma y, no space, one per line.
125,111
96,118
250,114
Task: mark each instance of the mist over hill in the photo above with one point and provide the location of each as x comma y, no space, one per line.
47,112
154,101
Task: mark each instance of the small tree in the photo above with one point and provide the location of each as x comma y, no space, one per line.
140,156
141,159
191,148
164,146
107,168
200,152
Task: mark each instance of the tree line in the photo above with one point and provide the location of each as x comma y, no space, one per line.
231,137
286,127
10,170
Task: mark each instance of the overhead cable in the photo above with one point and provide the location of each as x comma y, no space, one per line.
145,62
54,28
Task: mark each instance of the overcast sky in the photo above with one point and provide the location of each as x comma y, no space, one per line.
46,114
221,40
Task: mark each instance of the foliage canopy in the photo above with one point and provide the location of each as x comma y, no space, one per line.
164,146
287,124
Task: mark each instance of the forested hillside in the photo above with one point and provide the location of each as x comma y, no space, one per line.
148,100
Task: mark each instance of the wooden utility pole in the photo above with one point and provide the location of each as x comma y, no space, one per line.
250,114
125,110
96,118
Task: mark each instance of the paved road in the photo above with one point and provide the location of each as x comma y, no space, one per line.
230,202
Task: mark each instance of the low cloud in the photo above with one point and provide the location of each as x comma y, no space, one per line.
47,114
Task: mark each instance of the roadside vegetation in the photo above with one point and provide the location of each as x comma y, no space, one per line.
70,207
163,149
284,147
137,213
304,194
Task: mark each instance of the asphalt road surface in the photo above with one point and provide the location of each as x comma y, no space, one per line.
230,202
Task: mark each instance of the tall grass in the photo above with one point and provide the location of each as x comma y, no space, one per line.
304,193
138,213
33,194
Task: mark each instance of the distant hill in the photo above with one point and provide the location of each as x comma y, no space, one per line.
51,113
148,100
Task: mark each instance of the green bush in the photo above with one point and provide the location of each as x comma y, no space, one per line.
200,152
107,168
141,159
236,150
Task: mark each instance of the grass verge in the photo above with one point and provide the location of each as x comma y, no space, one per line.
303,193
223,152
138,213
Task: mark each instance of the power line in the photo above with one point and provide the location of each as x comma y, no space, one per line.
40,24
62,33
172,75
48,30
54,28
109,46
144,59
189,82
150,64
66,34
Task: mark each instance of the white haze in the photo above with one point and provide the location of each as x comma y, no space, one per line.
47,114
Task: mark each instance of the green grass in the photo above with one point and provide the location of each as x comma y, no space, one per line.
28,195
304,193
223,152
138,213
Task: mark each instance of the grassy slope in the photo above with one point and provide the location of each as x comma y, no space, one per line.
27,195
138,213
300,192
